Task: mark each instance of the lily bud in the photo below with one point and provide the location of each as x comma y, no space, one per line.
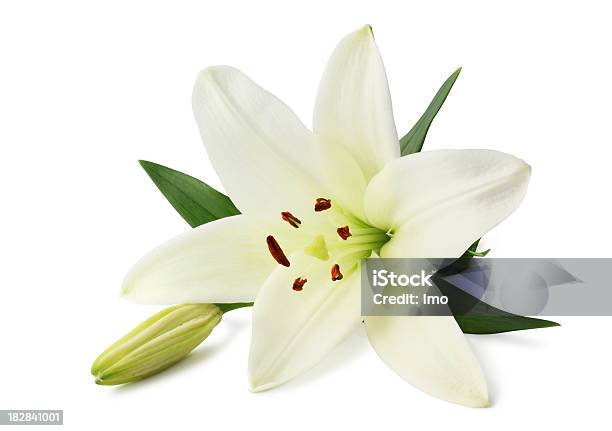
156,344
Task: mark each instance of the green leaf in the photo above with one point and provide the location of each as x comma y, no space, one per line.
233,306
463,262
477,317
479,253
412,142
497,324
472,251
194,200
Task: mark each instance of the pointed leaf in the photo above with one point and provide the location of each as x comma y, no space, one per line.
498,324
471,252
412,142
477,317
194,200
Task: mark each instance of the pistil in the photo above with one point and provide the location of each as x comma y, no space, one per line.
317,248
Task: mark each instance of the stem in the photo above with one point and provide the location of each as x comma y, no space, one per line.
233,306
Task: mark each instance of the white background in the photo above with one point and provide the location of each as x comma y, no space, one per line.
88,88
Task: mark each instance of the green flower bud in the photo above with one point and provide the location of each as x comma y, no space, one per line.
156,344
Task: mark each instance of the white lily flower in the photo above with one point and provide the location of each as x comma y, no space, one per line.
313,205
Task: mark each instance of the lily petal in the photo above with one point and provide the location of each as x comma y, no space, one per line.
437,203
261,151
292,331
353,115
431,353
226,260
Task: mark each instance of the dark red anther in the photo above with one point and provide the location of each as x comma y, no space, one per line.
291,219
335,273
322,204
299,283
344,232
276,251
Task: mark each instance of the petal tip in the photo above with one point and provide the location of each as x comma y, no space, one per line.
131,289
255,389
473,397
482,403
212,73
127,291
126,286
205,73
481,400
523,170
253,380
477,396
259,381
256,385
252,387
365,31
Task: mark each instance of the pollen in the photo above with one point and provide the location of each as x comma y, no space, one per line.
299,283
322,204
291,219
344,232
335,273
276,251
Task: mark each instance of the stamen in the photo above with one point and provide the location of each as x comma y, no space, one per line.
299,283
322,204
335,273
291,219
344,232
276,251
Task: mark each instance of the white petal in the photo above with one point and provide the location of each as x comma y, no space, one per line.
431,353
353,107
437,203
346,178
292,330
222,261
263,154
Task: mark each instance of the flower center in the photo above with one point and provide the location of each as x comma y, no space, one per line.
355,241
